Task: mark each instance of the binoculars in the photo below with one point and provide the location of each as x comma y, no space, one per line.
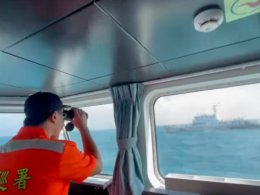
68,115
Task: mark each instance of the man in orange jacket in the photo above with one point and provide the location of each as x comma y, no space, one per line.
35,162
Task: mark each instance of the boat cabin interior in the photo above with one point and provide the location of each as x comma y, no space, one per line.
85,50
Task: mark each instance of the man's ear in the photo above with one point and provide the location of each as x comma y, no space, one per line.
53,117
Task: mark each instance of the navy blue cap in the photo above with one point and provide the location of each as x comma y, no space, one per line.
41,105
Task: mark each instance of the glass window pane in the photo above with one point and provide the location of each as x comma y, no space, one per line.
102,129
10,124
212,133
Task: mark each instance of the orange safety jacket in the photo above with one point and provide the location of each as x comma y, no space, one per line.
33,164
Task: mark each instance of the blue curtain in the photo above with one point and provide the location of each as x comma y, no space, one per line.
127,177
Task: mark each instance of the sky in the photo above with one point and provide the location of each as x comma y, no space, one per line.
233,102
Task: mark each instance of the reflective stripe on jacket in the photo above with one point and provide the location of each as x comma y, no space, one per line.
31,164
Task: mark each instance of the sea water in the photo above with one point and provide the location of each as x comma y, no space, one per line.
223,153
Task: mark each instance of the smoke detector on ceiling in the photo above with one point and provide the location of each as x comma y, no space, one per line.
208,20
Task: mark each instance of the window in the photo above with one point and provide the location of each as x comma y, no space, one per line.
10,125
102,129
212,133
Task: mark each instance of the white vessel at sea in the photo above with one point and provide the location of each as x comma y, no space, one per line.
211,122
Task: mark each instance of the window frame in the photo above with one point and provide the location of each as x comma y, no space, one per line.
237,75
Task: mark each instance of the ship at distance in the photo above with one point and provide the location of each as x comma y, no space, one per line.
211,122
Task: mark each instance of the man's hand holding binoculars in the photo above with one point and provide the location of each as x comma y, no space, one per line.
76,117
80,119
